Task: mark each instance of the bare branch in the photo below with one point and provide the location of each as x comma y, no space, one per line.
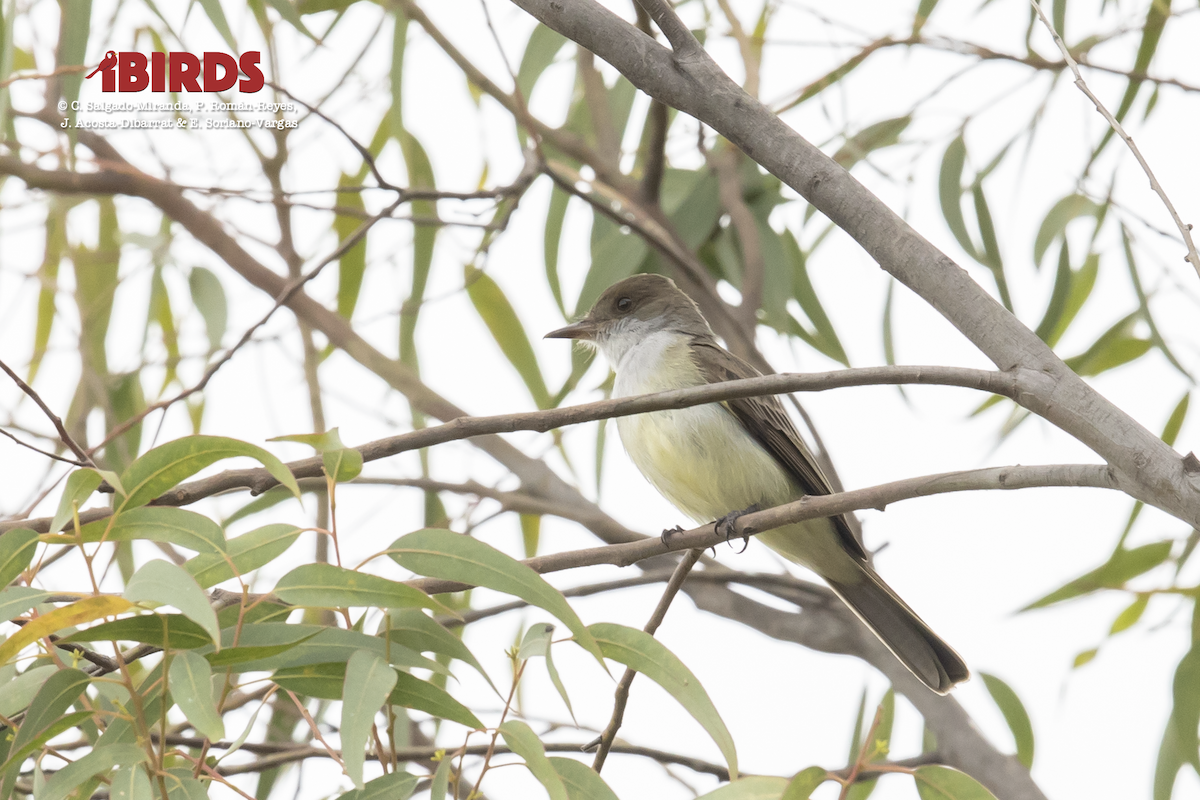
1185,230
79,452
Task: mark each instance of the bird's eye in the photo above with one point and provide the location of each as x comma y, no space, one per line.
624,304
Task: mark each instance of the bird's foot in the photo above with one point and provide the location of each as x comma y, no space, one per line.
725,525
668,533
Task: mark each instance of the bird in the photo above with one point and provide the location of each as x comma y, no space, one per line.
717,461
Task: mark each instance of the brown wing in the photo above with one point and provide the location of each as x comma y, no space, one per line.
765,419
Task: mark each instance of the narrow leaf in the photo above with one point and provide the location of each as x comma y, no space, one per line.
16,552
80,485
640,651
754,787
167,465
167,584
936,782
581,781
369,681
209,298
1014,714
244,553
804,782
326,585
98,762
192,690
521,739
1122,566
439,553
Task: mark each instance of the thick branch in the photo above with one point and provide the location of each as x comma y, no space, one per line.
690,81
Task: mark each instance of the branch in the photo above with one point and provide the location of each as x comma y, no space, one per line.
464,427
689,80
621,697
1185,230
79,452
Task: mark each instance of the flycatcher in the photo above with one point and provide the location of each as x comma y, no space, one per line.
715,460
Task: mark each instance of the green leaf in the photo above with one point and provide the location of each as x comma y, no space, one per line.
1084,657
802,784
544,44
1056,220
935,782
1115,347
17,693
130,783
924,11
1122,566
328,586
16,552
80,485
247,552
441,779
1058,296
264,646
877,748
873,137
1144,304
290,15
581,781
1175,421
1082,282
72,49
411,627
439,553
369,681
341,463
521,739
192,690
167,465
826,340
950,192
640,651
1129,617
98,762
506,328
551,240
754,787
16,600
1157,14
1172,755
393,786
265,654
58,693
1185,715
326,681
216,15
991,246
169,631
167,584
209,298
177,526
537,642
353,263
1014,714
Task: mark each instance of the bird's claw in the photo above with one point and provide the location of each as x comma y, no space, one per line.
668,533
725,525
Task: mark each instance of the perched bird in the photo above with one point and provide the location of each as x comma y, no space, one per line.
714,459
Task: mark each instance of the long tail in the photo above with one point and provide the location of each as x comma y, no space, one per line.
905,634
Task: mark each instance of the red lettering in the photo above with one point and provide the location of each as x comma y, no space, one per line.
184,69
158,72
108,78
133,77
254,78
212,60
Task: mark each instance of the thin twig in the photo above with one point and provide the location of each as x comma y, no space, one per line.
79,452
1185,230
42,452
621,697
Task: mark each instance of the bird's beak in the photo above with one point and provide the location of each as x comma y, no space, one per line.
584,329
